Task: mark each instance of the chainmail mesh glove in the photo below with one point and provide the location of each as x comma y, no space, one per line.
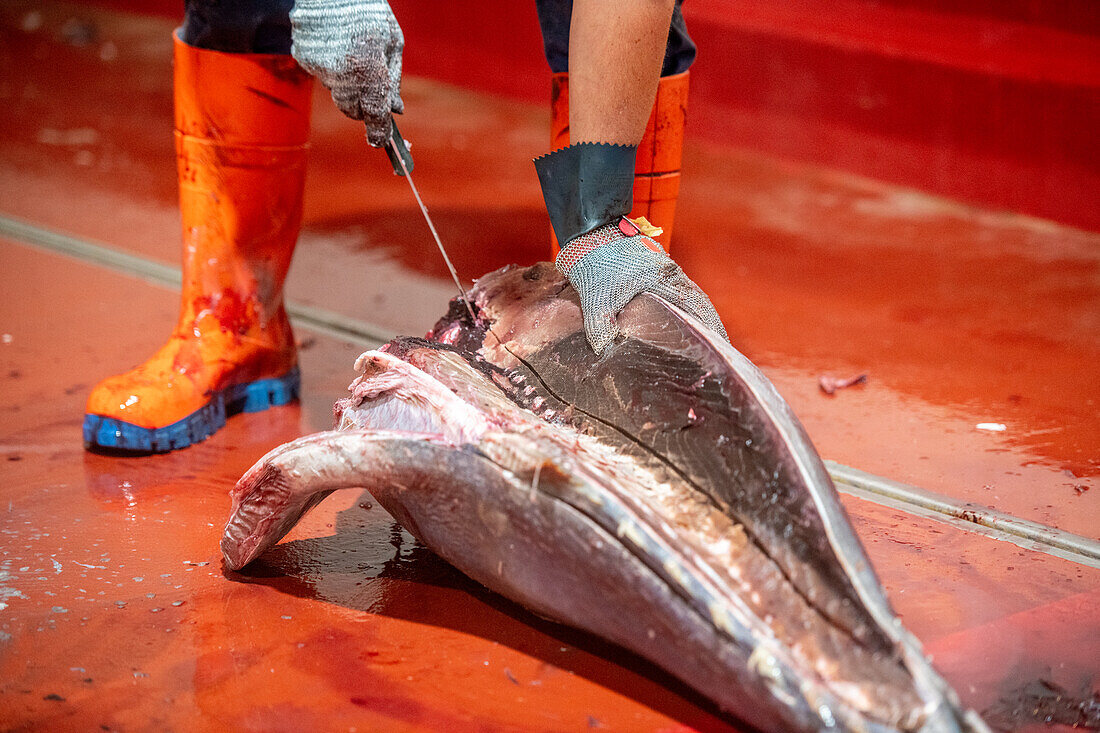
613,263
354,48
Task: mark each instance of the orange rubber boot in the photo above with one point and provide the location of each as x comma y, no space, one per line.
242,126
657,168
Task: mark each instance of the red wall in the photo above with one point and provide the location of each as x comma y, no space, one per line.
995,102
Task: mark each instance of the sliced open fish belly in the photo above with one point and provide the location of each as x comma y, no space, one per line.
487,521
290,480
576,532
505,514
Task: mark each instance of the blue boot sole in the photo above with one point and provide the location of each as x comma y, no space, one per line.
111,434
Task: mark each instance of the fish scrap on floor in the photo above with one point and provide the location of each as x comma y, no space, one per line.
662,496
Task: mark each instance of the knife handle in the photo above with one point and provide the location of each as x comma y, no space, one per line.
398,151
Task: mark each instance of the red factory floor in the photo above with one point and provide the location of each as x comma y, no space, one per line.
115,613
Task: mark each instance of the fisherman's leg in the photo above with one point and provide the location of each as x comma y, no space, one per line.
242,124
615,55
657,166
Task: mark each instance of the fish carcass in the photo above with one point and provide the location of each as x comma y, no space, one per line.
662,496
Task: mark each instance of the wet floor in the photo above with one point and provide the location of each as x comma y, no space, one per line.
117,613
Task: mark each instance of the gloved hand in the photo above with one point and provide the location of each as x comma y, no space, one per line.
613,263
354,48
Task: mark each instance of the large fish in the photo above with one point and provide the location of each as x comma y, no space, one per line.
662,496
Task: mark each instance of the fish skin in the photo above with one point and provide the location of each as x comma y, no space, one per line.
633,536
535,318
454,517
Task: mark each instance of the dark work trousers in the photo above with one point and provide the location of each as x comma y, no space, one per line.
238,26
554,18
263,26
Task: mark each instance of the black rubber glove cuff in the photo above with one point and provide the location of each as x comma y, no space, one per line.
586,186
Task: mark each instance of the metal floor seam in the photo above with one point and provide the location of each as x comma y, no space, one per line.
971,517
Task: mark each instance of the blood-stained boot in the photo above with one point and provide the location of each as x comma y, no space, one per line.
657,166
242,126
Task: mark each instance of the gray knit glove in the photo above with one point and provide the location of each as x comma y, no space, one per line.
610,265
354,48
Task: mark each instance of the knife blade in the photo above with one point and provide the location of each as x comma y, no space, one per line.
401,160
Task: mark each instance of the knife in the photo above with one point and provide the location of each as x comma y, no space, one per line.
401,159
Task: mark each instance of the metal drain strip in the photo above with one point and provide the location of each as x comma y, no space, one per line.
316,319
869,487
